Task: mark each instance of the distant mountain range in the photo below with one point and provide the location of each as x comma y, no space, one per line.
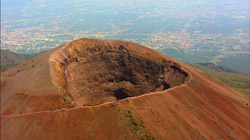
10,59
216,67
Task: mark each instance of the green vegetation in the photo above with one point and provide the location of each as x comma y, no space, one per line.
237,81
136,126
115,106
133,125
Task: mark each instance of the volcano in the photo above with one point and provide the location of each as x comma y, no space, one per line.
96,89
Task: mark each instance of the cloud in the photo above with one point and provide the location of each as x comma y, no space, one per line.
39,0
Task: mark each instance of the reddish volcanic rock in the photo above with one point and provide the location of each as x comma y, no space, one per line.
109,89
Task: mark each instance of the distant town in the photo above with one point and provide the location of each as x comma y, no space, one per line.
203,32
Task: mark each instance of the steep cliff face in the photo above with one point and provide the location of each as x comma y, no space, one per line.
110,89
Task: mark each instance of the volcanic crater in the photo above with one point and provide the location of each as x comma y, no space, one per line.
104,71
80,90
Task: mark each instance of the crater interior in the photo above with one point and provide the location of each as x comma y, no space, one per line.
113,72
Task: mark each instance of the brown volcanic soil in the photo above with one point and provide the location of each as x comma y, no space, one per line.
80,90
